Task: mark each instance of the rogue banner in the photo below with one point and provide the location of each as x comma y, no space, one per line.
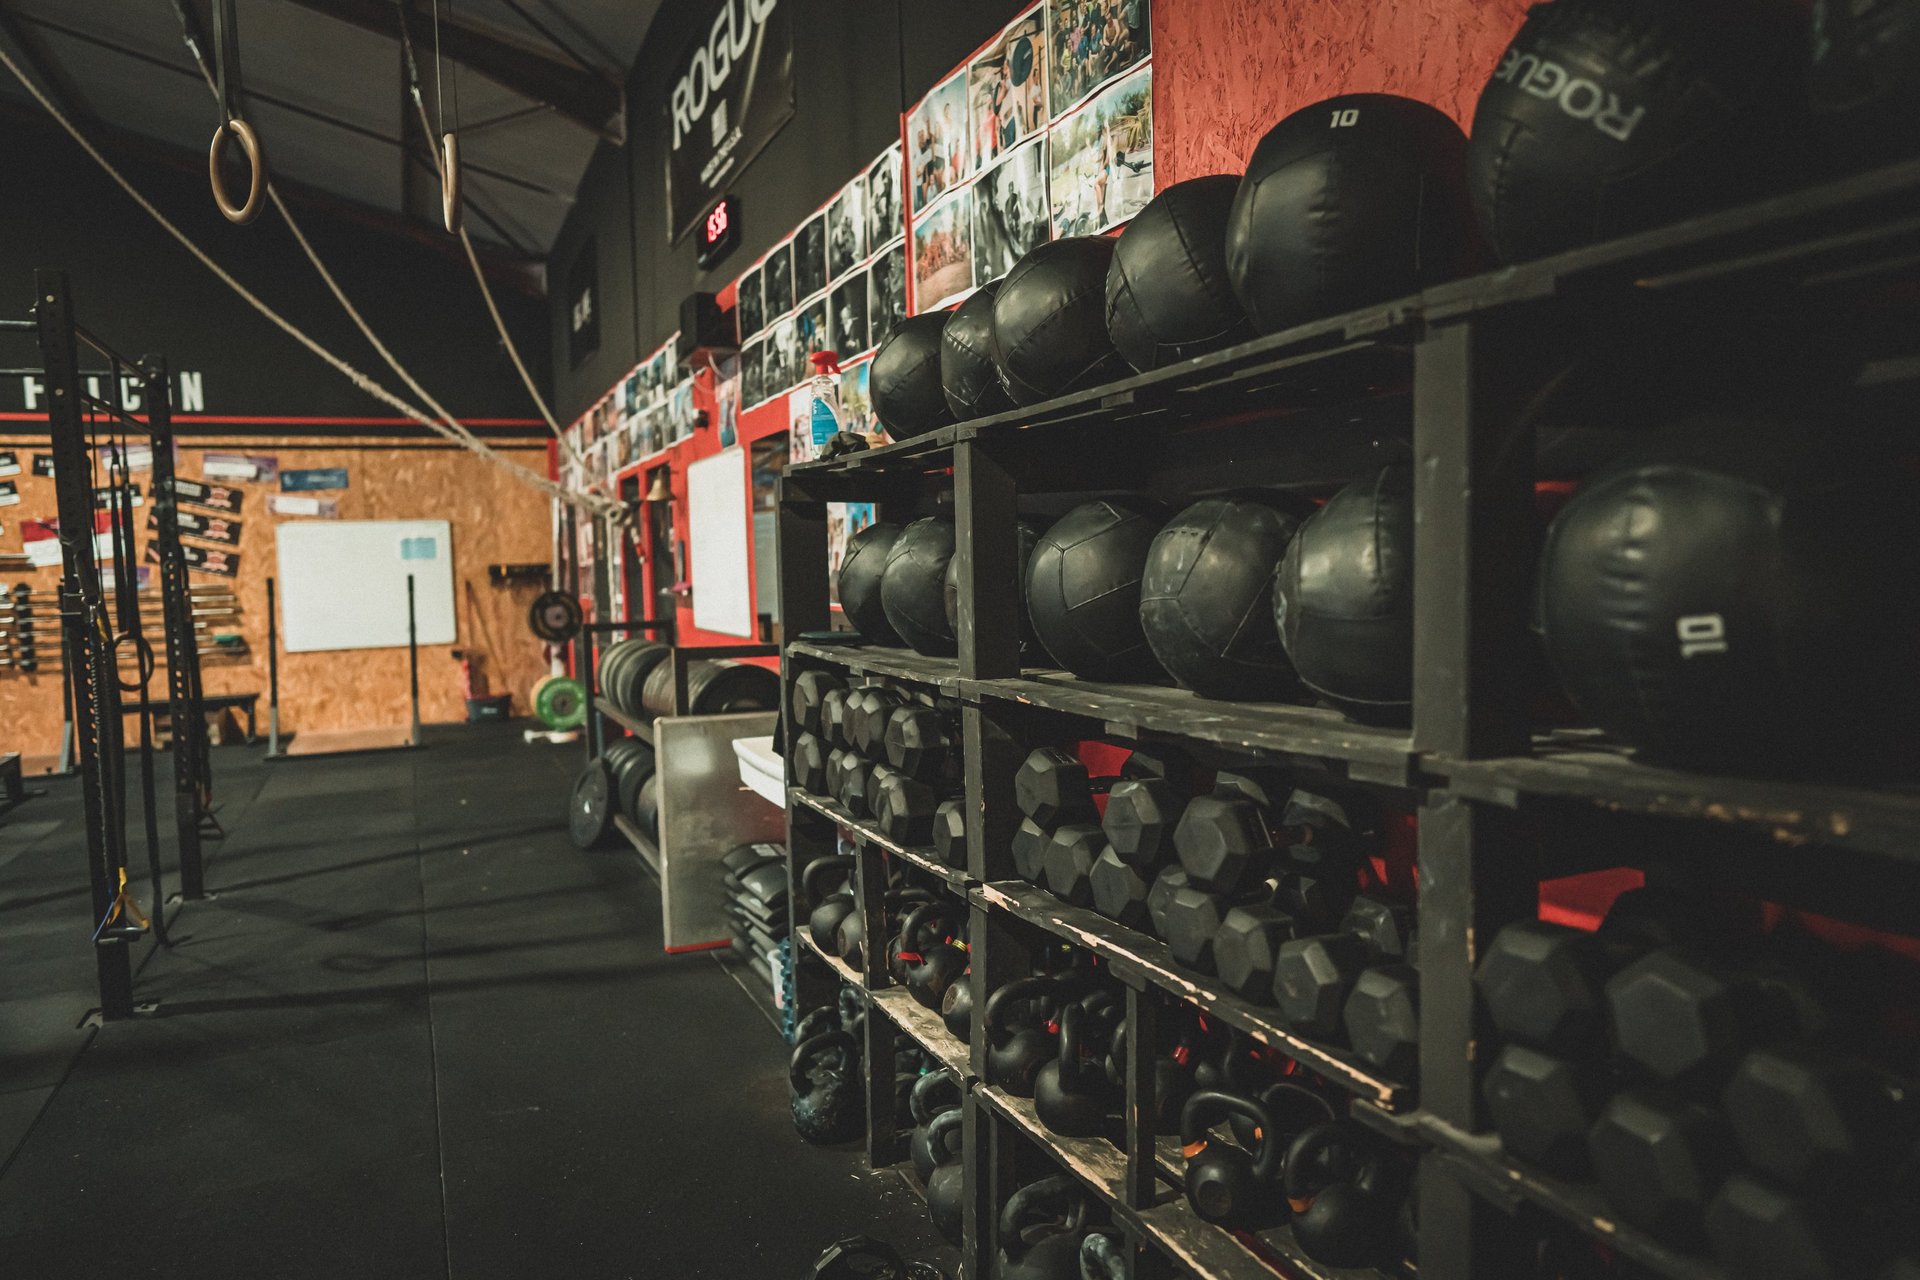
732,90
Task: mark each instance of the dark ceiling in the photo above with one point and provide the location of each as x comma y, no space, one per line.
539,83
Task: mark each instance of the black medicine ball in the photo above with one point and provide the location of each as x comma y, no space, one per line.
912,589
1206,600
1050,321
907,396
1865,82
1343,599
1357,199
968,374
861,569
1606,117
1167,293
1029,536
1083,588
1739,593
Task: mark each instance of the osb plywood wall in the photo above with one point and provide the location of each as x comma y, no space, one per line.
1224,71
494,520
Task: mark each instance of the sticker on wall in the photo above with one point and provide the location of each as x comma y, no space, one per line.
194,525
234,466
139,455
105,496
9,463
943,252
313,478
1093,42
1102,161
9,493
215,560
281,504
43,464
1010,212
420,548
215,497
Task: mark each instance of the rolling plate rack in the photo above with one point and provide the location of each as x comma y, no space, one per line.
1449,377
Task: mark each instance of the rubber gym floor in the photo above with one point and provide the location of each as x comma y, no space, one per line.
414,1033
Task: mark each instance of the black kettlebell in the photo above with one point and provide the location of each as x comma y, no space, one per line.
858,1258
930,962
1341,1187
814,1022
956,1007
1173,1080
823,925
829,1103
1041,1227
1293,1107
1224,1184
1072,1094
1105,1257
946,1183
1019,1042
852,939
934,1094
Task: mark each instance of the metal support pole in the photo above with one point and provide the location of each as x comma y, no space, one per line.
191,778
413,664
273,673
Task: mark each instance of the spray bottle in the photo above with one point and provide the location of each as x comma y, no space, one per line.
826,420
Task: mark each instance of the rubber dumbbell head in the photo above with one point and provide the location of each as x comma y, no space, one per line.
1659,1159
1119,890
1314,975
1761,1231
1224,841
1816,1120
903,807
1030,851
1543,1107
833,716
1245,947
1140,819
1171,879
1068,862
919,742
851,788
868,710
810,688
807,763
1193,920
1684,1018
1544,986
950,833
1382,1020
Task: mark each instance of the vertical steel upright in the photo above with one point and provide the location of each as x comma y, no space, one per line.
191,778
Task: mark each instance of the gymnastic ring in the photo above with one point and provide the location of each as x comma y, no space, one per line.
143,660
250,144
450,205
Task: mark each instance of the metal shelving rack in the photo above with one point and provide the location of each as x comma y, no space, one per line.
1449,376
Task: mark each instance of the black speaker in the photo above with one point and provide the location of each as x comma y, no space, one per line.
704,327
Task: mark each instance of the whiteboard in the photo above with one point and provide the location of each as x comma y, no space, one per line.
721,568
343,583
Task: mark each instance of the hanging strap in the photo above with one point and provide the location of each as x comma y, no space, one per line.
226,69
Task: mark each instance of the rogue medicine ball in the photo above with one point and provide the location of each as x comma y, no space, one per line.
1343,599
1083,588
1028,537
861,569
1168,298
907,395
912,589
1739,593
1050,321
1351,201
1206,600
968,375
1606,117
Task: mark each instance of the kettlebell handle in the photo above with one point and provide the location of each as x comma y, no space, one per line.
920,1101
1018,989
937,1130
916,919
807,1050
1206,1107
1034,1199
1312,1163
810,878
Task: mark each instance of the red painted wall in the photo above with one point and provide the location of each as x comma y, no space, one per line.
1226,71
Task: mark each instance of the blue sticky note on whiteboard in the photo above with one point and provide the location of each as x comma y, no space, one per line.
419,548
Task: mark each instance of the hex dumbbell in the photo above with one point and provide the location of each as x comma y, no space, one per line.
903,806
1226,839
1119,890
807,762
920,741
867,712
1068,862
1659,1159
950,833
1382,1020
810,688
1314,975
1053,786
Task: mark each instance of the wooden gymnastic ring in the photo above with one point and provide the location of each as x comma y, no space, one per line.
250,144
450,205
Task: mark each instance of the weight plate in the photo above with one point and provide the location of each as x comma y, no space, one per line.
554,617
632,763
560,703
646,807
590,808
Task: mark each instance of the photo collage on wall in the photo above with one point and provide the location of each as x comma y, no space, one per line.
643,415
1046,132
837,284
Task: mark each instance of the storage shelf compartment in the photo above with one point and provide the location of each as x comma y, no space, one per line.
1129,950
1579,765
882,660
925,1026
1484,1167
1367,753
922,859
1199,1247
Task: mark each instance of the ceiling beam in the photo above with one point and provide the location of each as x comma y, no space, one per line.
585,98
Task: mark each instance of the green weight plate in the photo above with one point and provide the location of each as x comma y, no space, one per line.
590,807
561,703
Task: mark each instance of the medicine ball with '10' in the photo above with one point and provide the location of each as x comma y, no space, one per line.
861,569
1354,200
1611,116
1343,599
1050,321
1206,600
1083,588
1740,594
1168,298
905,378
913,588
